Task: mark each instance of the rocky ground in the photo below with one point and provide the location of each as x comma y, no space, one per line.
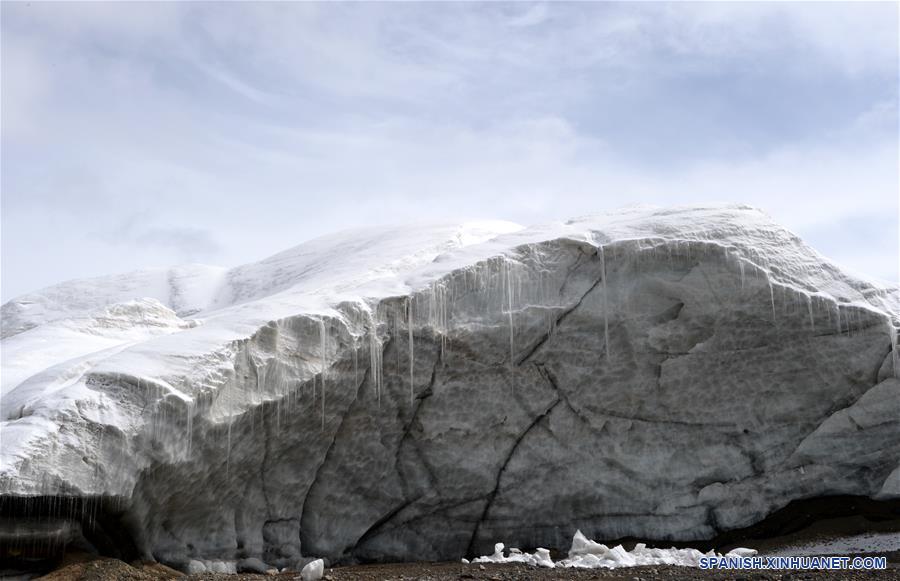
113,570
84,567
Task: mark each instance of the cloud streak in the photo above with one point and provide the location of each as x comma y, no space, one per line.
245,129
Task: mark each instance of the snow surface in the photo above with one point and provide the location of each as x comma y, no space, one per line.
176,329
588,554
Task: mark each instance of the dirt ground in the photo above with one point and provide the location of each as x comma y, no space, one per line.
113,570
83,567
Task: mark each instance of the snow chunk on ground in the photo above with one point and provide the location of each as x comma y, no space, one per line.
588,554
313,571
196,567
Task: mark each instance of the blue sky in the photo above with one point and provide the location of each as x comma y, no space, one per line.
150,134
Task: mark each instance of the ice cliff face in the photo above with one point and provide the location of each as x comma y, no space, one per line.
423,392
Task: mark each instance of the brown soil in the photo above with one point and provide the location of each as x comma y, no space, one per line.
82,567
113,570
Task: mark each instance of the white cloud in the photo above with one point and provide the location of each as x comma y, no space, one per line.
531,17
272,123
25,86
858,38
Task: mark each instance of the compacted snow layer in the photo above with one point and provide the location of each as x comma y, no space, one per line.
588,554
397,393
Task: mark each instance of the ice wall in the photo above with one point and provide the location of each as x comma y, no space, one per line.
664,374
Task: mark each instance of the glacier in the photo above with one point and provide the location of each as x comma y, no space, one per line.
421,391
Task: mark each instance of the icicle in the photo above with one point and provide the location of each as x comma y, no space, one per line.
356,364
437,316
260,377
605,303
278,414
837,308
809,307
772,299
409,324
228,448
895,356
324,365
190,426
375,357
509,301
395,311
443,323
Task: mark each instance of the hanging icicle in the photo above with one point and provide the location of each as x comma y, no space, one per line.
409,325
772,299
509,304
375,357
323,366
605,300
895,356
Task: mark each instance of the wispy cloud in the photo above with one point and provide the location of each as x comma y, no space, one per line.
188,243
532,16
276,122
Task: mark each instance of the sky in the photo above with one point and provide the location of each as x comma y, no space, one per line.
138,135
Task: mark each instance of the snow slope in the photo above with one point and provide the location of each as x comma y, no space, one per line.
53,338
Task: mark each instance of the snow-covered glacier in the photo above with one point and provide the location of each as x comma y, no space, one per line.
421,392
